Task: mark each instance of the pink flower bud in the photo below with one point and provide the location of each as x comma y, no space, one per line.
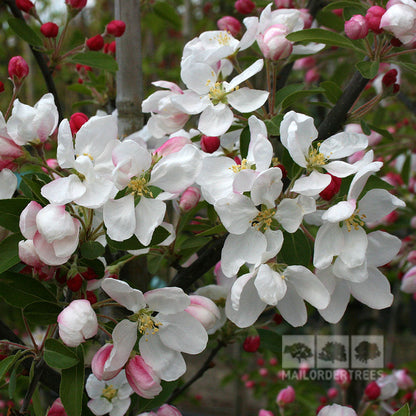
273,361
76,121
403,379
356,27
411,257
286,396
413,222
284,4
168,410
312,75
263,372
52,163
251,343
389,78
25,5
116,28
342,377
18,68
142,378
204,310
49,30
96,43
57,409
263,412
332,189
173,145
28,255
372,391
373,18
332,393
189,198
209,144
1,86
230,24
77,322
281,374
98,363
307,62
307,18
273,43
250,384
244,6
76,4
110,48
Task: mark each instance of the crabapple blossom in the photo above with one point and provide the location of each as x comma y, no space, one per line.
33,124
337,410
164,335
286,396
408,284
112,396
168,410
77,322
230,24
204,310
57,409
400,19
297,133
53,230
18,68
8,183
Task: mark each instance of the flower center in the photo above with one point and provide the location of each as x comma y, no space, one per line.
223,39
355,221
87,154
138,186
217,94
147,323
264,219
315,159
109,392
245,164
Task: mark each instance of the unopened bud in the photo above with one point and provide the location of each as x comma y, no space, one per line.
209,144
312,75
76,121
230,24
116,28
173,145
389,78
189,198
307,18
96,43
372,391
204,310
244,6
49,30
25,5
342,378
284,4
168,410
373,18
286,396
18,68
263,412
332,189
251,343
76,4
273,43
332,393
356,27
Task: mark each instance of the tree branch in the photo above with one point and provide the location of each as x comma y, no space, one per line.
209,256
50,83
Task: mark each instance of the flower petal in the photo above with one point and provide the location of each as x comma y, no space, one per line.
215,120
167,300
122,293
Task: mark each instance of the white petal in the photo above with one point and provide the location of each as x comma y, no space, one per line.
328,243
270,285
190,102
338,303
243,181
313,184
353,274
355,246
373,292
182,332
253,69
267,187
240,249
198,76
292,308
378,203
340,169
97,192
382,247
46,252
360,179
167,300
289,214
61,191
149,215
246,100
340,212
65,150
342,145
308,286
122,293
99,406
119,218
215,120
167,363
120,407
274,244
8,183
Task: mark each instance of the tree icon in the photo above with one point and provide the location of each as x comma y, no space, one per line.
333,351
365,351
298,350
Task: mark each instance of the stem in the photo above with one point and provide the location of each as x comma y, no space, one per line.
35,345
205,366
37,373
15,344
307,233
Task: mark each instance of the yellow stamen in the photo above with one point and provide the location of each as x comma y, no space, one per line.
264,219
109,392
147,323
355,221
138,186
244,165
315,158
87,154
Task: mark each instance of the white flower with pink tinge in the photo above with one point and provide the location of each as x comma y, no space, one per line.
163,336
53,231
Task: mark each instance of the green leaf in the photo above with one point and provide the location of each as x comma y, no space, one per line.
218,229
407,165
403,411
10,210
270,340
330,20
35,185
80,88
323,36
168,13
9,252
244,142
383,132
286,91
42,313
97,60
296,249
12,382
407,65
299,95
368,69
168,388
25,32
92,249
20,290
344,4
6,364
72,387
332,90
57,355
273,125
365,127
